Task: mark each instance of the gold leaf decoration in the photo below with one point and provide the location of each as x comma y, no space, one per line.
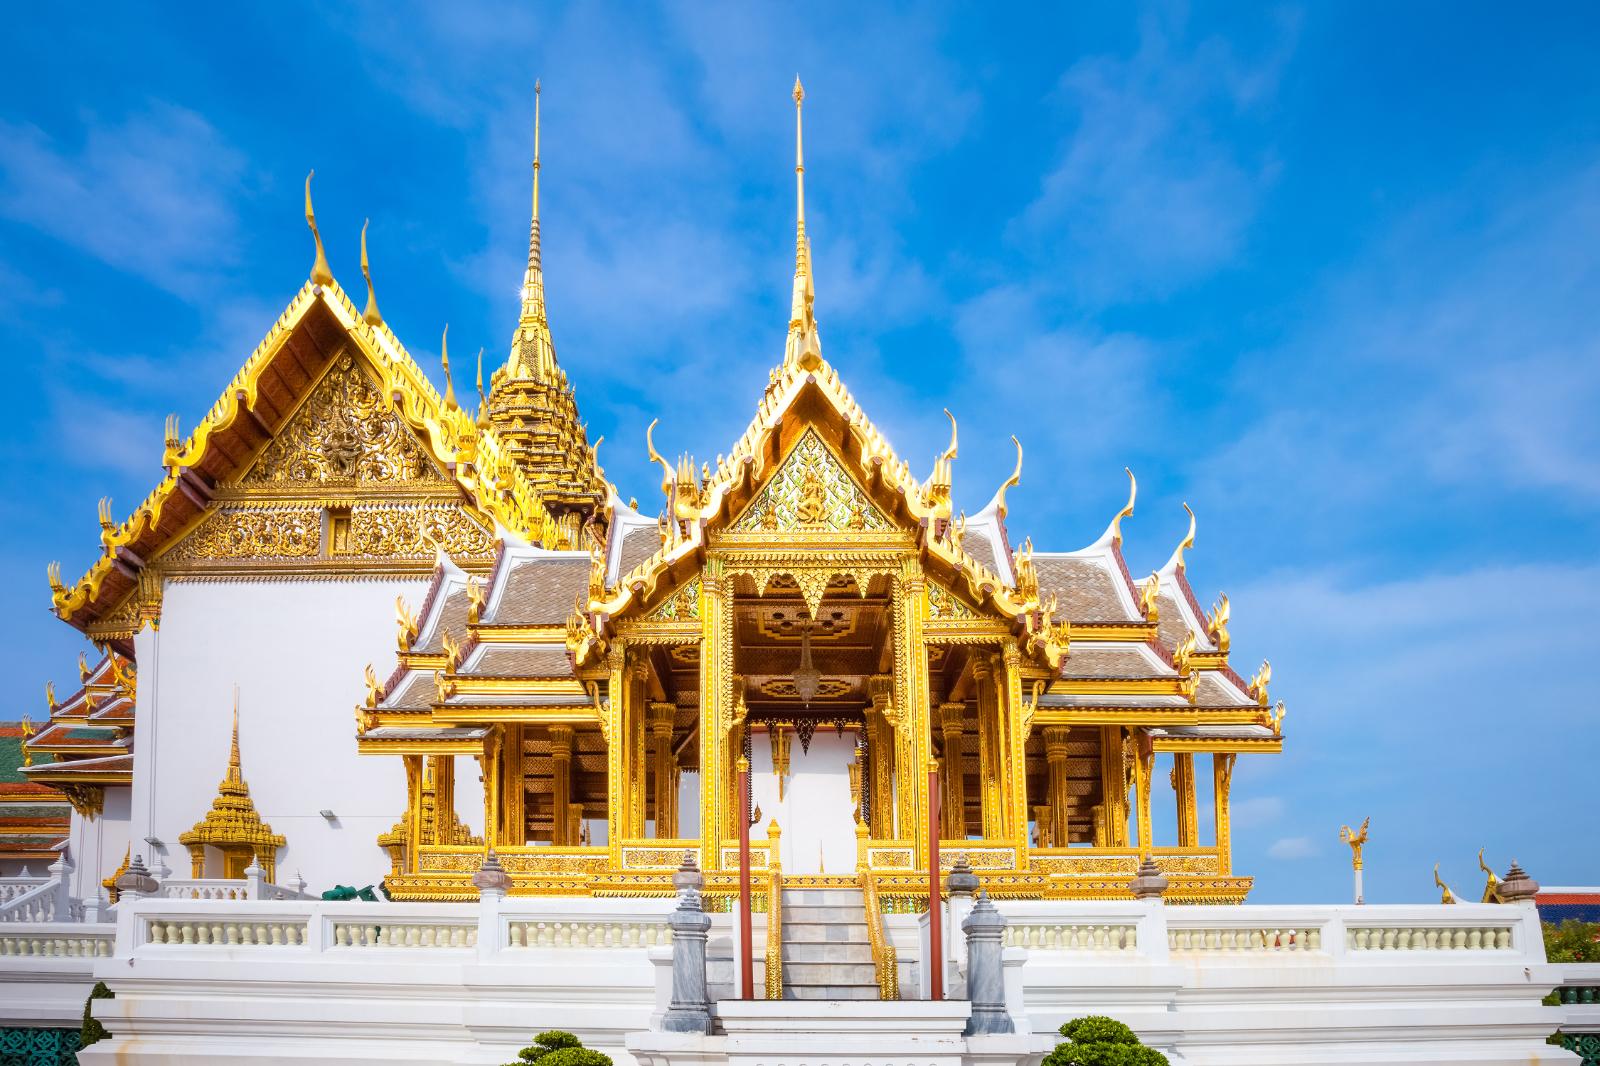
344,433
682,607
811,491
252,533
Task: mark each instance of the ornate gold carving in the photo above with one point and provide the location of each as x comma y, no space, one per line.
683,606
826,689
87,800
811,491
389,530
254,533
943,605
344,432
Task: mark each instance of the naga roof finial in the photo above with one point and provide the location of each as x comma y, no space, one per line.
1126,512
444,354
320,274
370,316
1187,542
1014,479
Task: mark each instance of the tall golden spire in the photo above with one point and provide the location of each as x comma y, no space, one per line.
532,352
804,346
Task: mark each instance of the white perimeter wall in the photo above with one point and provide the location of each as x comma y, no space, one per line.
297,650
97,847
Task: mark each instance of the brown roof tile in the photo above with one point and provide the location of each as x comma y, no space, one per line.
1085,591
638,546
452,617
529,661
1109,662
542,592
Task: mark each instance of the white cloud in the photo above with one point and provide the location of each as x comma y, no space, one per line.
150,196
1294,848
1259,811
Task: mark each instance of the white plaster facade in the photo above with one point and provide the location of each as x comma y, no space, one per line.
295,649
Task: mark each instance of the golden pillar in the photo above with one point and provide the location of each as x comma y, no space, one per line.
492,773
717,705
616,748
1222,779
1102,838
638,739
1143,758
574,825
1055,753
1015,768
1114,787
1188,815
513,798
444,798
413,764
989,751
1043,833
952,721
912,697
885,758
561,792
661,715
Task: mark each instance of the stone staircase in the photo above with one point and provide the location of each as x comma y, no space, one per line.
826,953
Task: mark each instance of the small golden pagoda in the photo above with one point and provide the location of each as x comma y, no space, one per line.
233,827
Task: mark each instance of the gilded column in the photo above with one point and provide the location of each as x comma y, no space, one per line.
1016,767
1113,786
881,760
1143,758
638,739
490,766
444,798
1102,839
1043,832
616,747
561,793
1183,785
716,709
916,722
661,715
413,764
513,802
1055,753
988,747
1222,778
952,720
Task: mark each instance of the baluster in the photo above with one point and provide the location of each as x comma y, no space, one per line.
1460,939
1475,939
541,936
519,934
217,935
471,932
1502,939
188,933
1133,938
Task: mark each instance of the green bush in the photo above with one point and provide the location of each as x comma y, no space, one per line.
1572,941
92,1029
559,1049
1097,1041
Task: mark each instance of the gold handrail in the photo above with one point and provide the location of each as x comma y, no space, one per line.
774,956
883,955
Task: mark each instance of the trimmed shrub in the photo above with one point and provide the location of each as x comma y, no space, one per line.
559,1049
92,1029
1572,941
1098,1041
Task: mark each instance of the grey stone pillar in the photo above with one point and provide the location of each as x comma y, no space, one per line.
691,1008
962,884
985,977
1149,884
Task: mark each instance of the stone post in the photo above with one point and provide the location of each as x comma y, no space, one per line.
492,882
61,870
961,884
1149,884
985,976
133,884
691,1007
254,879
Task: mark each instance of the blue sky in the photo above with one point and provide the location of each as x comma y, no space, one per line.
1328,273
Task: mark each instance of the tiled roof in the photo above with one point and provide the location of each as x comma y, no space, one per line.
542,591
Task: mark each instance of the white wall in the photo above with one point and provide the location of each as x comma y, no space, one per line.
297,650
97,847
816,815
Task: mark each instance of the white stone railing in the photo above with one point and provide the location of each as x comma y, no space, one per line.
580,924
1043,936
12,887
57,940
1234,939
49,900
175,930
404,932
568,934
1495,937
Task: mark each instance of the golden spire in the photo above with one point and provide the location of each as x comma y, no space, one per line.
235,767
320,274
449,386
533,354
370,315
804,346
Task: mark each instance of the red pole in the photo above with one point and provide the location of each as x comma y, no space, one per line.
746,970
935,914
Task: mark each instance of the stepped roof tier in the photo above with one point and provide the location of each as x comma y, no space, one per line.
87,744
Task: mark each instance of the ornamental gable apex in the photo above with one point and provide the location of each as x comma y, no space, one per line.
811,491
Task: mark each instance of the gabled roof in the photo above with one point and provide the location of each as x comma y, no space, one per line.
318,323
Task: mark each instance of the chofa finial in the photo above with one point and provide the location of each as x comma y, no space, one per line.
370,316
320,274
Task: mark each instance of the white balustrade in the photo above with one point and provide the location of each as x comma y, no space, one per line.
54,940
202,889
1428,938
404,934
1037,936
190,930
1185,939
564,933
12,887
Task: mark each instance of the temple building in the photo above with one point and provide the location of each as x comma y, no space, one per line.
541,666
